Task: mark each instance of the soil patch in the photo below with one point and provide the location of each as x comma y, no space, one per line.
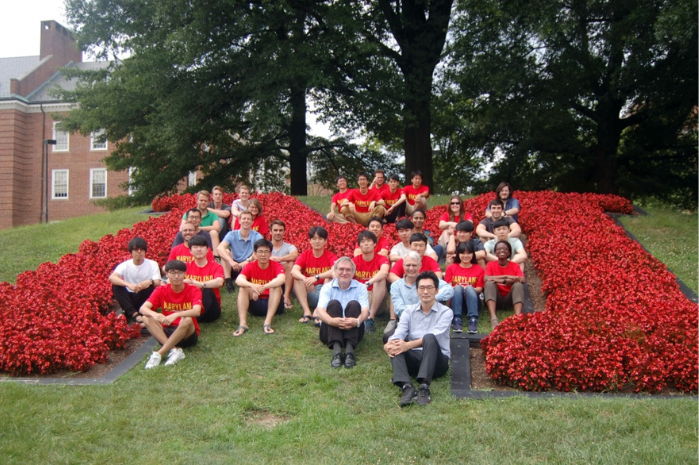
264,419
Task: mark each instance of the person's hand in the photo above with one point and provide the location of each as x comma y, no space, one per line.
167,320
132,287
275,259
310,283
393,347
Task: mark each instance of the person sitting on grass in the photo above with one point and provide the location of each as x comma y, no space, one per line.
338,201
382,244
207,275
134,280
404,228
194,217
416,194
241,243
418,243
176,327
286,254
260,289
182,252
468,284
504,283
404,291
393,200
372,271
312,269
420,347
343,306
502,230
362,204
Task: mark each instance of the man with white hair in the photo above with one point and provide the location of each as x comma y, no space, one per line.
343,306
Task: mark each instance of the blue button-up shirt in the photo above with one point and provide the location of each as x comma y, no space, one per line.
414,325
404,295
333,291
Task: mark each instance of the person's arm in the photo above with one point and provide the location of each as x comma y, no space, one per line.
515,208
221,213
481,231
445,292
214,283
357,252
397,299
194,312
380,275
290,257
520,256
515,230
213,227
116,279
451,246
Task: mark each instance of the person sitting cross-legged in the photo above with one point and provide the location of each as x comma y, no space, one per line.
343,306
207,275
176,327
133,281
260,293
420,347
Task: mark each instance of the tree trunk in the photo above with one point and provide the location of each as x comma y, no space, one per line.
298,152
608,136
418,144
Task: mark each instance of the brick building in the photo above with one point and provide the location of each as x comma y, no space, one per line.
28,116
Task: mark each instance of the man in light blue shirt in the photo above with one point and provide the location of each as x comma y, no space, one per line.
241,243
343,306
420,345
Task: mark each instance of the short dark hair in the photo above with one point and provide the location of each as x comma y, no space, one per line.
193,210
198,240
428,275
366,235
363,174
502,222
496,202
175,265
340,177
319,230
277,223
509,247
404,224
246,212
378,220
262,243
464,226
418,211
464,247
137,243
415,173
394,177
418,237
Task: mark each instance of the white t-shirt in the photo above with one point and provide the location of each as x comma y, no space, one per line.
133,274
514,242
400,249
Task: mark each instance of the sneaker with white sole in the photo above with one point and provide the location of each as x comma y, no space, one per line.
153,361
473,325
390,326
174,356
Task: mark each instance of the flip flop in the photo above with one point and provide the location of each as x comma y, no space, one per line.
241,330
287,304
316,321
305,319
267,329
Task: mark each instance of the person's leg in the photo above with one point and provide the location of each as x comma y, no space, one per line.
275,298
471,302
183,331
434,363
126,301
457,302
491,296
517,294
379,211
348,213
288,284
212,308
313,297
329,335
243,306
378,294
409,209
215,241
302,296
439,250
229,285
352,337
362,218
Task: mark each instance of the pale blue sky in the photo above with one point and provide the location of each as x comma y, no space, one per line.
20,24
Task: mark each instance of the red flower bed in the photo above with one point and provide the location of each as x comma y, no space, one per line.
615,317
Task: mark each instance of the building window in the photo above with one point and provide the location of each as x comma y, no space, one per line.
60,185
62,139
192,178
98,183
96,142
132,172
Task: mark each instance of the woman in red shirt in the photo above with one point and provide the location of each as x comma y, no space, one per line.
447,222
504,283
468,283
259,223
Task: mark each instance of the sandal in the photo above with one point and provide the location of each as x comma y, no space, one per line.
288,304
267,329
240,331
494,322
316,321
305,319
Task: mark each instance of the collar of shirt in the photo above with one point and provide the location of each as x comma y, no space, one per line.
335,283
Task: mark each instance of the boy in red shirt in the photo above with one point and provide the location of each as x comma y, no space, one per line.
417,194
182,252
362,203
338,201
372,271
260,284
176,327
207,275
382,246
393,199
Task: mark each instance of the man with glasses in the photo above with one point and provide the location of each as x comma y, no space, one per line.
343,306
420,345
182,251
176,327
194,217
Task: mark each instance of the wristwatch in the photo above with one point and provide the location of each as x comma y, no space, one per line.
203,285
317,277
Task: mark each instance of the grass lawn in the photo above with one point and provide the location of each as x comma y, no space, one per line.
671,237
271,399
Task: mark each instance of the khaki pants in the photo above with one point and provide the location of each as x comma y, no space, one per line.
363,218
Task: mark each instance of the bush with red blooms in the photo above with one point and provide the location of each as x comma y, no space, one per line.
615,317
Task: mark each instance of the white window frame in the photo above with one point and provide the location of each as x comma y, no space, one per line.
53,184
92,183
94,143
192,178
132,171
60,146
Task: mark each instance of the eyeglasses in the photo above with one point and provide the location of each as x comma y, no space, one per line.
263,252
425,288
344,270
455,203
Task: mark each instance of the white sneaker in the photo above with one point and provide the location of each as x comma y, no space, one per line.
174,356
153,361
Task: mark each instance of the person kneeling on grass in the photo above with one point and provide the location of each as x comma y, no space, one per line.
420,345
504,283
176,327
260,284
343,306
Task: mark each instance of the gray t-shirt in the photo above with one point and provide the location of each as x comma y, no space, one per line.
284,250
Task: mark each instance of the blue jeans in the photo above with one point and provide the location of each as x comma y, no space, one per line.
470,296
439,250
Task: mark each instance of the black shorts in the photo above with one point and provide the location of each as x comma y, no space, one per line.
259,307
186,342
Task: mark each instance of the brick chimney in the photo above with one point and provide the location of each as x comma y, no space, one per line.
56,40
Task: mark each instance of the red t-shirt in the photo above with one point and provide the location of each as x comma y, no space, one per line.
512,269
382,244
410,192
447,217
172,302
391,198
383,189
182,253
257,275
339,197
311,266
201,274
456,275
367,269
362,201
259,224
428,264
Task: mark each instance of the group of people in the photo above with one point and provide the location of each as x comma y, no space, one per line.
221,245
